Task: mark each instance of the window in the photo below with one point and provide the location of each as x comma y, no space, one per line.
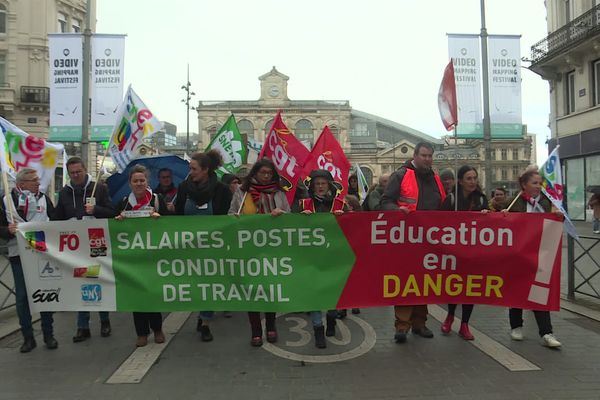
515,173
493,154
212,131
268,127
504,174
62,23
2,69
76,25
515,155
360,129
336,131
304,132
570,92
2,18
246,128
596,82
503,155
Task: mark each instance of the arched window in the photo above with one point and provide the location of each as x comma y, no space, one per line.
212,131
268,127
335,130
246,128
62,23
304,132
2,18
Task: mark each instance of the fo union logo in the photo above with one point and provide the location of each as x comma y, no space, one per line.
68,240
91,293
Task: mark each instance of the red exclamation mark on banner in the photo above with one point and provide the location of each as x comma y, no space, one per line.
551,235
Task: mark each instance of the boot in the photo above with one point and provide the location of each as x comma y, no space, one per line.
320,337
205,334
51,342
28,344
447,324
159,336
464,332
81,335
105,329
141,341
330,326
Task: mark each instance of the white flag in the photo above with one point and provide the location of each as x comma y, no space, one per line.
134,122
363,185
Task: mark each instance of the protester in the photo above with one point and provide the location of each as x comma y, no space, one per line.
142,199
75,201
25,203
447,177
470,198
499,201
260,194
414,186
532,200
322,198
353,185
203,194
594,204
232,181
166,188
373,199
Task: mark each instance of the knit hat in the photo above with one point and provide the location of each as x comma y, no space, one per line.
447,174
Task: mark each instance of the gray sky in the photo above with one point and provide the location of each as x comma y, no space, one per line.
386,57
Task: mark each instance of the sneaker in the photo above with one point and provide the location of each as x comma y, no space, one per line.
400,337
596,231
205,333
28,345
550,341
51,342
272,336
256,341
516,334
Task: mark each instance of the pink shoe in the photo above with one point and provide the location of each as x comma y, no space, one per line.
464,331
447,324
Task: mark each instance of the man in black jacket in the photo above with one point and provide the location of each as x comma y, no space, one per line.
25,203
76,201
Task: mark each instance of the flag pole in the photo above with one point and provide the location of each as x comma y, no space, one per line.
514,200
9,215
455,170
99,169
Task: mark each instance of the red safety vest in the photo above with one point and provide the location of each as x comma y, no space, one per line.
409,190
308,204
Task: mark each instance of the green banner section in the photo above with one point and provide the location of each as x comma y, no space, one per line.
65,134
288,263
101,133
498,131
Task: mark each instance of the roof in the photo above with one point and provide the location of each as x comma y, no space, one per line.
395,125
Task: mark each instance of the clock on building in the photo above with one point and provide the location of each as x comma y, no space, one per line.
274,91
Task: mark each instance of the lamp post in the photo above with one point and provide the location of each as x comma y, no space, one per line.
188,97
487,129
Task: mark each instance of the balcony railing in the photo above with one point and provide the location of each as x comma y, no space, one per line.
35,95
568,36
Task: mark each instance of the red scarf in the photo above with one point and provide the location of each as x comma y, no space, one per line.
528,199
263,196
143,202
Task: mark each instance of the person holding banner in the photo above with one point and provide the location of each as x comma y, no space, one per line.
322,198
142,202
25,203
166,188
82,198
203,194
532,200
469,198
415,186
260,194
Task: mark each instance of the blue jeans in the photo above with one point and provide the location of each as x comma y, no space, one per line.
317,317
596,225
22,304
83,319
206,315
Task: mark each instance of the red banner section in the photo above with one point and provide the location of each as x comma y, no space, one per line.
434,257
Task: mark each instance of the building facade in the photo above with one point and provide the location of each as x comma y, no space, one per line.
569,59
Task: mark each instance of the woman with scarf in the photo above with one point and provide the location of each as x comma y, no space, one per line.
322,193
532,200
260,194
469,197
203,194
142,202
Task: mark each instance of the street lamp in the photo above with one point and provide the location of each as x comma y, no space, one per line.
188,97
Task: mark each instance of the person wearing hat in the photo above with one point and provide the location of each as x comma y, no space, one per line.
231,180
322,197
447,177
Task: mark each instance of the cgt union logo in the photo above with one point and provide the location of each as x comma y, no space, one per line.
97,242
91,293
46,296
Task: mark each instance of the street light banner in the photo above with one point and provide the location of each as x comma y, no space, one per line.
293,262
465,53
504,66
107,68
66,86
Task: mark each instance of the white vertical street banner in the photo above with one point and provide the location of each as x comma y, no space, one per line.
107,67
465,53
66,86
504,66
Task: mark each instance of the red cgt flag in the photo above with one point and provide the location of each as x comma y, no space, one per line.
447,98
327,154
287,153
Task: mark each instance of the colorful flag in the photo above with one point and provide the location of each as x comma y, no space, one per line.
228,141
65,173
363,185
552,187
134,122
447,98
21,150
287,153
327,154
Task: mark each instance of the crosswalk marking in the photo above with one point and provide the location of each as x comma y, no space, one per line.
506,357
142,359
